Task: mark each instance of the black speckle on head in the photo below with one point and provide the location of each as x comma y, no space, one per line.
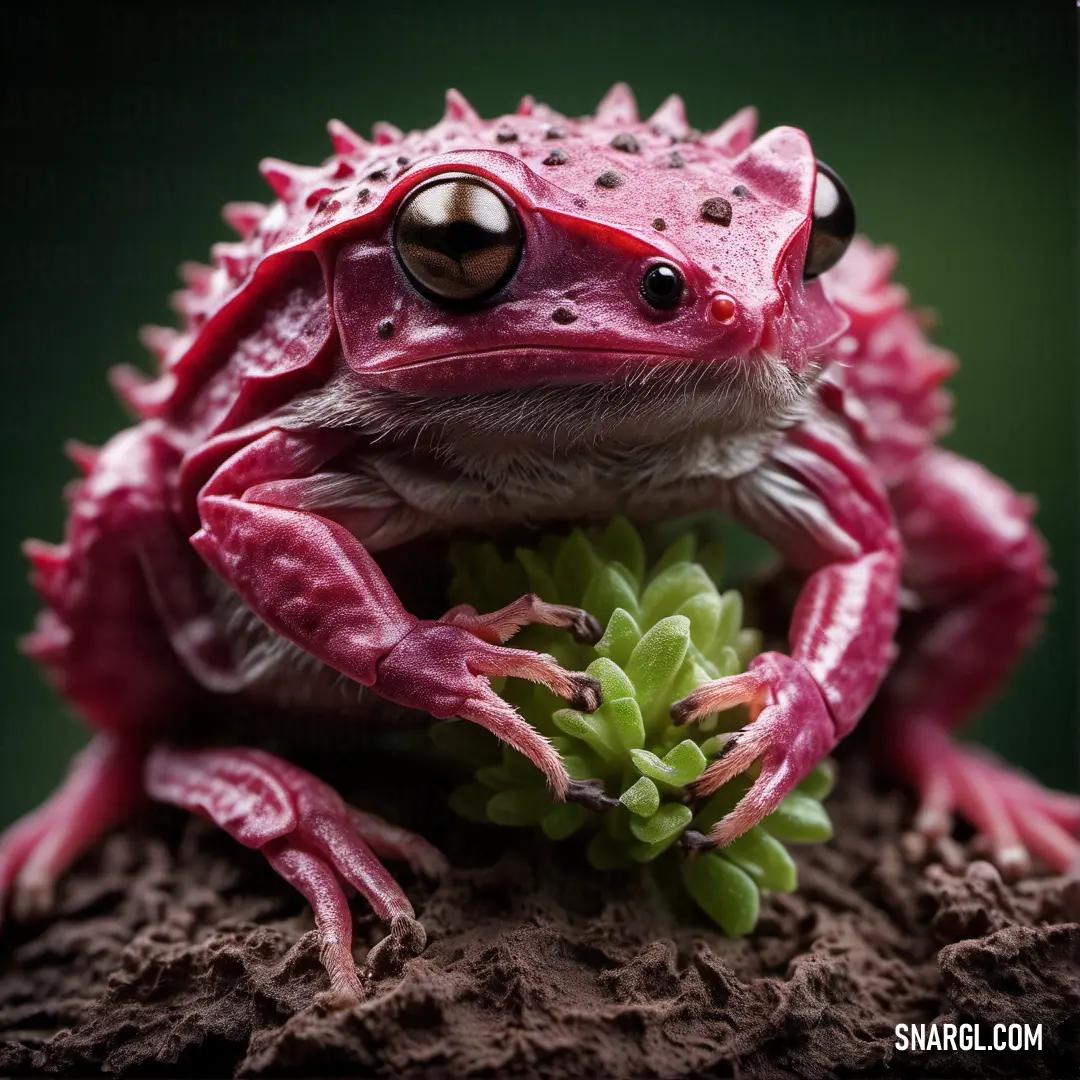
362,196
717,210
377,176
579,202
403,161
563,316
675,160
659,224
506,136
743,192
555,133
385,330
626,142
609,178
557,157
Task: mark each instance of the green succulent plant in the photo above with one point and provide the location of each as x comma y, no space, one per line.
668,629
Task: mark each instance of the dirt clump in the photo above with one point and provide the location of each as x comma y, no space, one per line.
174,951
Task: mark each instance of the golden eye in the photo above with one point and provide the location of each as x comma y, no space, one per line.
457,238
833,223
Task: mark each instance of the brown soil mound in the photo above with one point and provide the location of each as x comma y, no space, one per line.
174,951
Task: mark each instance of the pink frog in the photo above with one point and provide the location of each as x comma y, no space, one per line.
497,325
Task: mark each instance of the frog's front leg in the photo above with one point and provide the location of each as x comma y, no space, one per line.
311,580
818,502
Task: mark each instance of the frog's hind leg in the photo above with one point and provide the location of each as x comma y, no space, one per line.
978,568
104,645
311,837
102,789
101,637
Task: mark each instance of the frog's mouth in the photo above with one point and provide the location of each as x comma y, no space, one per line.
516,366
468,403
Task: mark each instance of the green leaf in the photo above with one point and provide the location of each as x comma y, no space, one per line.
470,802
711,556
641,798
549,547
614,682
564,820
575,566
703,611
579,767
621,542
730,618
655,661
463,589
623,716
721,802
525,773
500,776
747,644
682,550
540,580
765,859
518,807
680,765
611,588
590,728
690,676
820,782
728,662
724,892
678,583
799,819
466,742
668,821
644,853
604,853
620,637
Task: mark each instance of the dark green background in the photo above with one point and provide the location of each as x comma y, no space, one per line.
126,127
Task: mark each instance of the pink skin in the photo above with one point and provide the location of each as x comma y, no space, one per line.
268,462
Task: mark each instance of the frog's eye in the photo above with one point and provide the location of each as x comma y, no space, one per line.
662,286
834,223
457,238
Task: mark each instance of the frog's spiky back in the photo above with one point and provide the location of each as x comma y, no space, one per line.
314,203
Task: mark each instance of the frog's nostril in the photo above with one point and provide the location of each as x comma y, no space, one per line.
722,309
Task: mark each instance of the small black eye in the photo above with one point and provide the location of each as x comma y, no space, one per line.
834,223
457,238
662,286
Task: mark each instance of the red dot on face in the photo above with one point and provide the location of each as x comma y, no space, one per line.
722,309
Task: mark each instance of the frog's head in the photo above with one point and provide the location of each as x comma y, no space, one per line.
533,252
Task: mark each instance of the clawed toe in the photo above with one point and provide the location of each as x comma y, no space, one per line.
32,898
585,628
586,695
790,731
590,794
407,938
1016,817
